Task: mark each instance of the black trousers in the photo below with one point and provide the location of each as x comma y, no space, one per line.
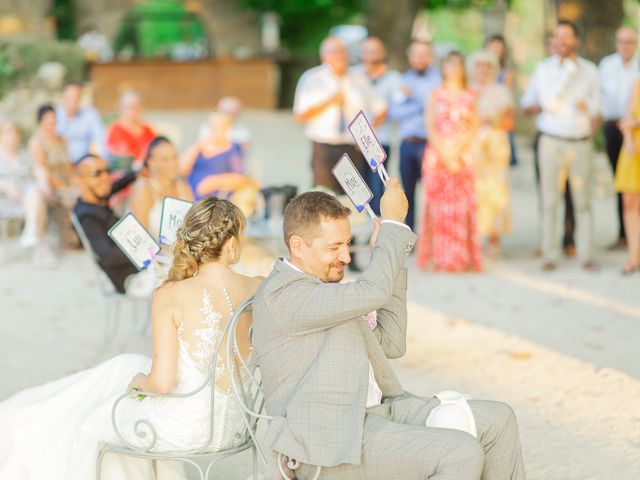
613,143
324,157
569,219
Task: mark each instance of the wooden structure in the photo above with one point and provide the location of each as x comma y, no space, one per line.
192,85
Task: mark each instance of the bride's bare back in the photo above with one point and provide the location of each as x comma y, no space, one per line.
191,315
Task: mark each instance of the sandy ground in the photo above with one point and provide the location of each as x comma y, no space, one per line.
561,348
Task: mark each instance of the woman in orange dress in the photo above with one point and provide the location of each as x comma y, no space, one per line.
449,239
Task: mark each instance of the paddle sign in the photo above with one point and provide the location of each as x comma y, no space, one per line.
353,184
135,241
173,212
370,146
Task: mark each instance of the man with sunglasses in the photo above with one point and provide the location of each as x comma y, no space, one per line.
96,218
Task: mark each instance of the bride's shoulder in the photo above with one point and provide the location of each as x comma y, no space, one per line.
166,293
250,284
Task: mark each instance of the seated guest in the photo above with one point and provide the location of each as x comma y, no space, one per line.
163,181
492,151
328,383
96,218
239,134
213,165
49,150
21,195
80,126
129,136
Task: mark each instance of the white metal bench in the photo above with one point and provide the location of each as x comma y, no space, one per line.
253,408
145,430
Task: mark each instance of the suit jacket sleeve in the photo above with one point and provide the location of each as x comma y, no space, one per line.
304,307
391,330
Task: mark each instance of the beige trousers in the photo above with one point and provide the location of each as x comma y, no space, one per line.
397,445
561,159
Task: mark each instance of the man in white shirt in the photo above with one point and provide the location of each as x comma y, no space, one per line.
565,94
618,73
387,83
327,99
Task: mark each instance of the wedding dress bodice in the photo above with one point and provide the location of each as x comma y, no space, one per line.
184,423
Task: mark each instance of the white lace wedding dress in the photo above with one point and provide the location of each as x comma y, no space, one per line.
53,431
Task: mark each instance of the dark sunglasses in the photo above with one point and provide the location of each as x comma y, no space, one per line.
99,172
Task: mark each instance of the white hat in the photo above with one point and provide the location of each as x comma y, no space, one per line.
453,412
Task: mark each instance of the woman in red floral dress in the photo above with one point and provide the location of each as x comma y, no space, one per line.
449,239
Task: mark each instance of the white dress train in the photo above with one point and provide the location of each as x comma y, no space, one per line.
53,431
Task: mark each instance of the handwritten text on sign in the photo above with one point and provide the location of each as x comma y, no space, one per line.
366,139
352,183
134,240
173,212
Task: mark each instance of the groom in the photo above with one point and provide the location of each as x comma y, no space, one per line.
327,380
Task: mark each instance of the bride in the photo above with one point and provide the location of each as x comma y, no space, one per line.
53,431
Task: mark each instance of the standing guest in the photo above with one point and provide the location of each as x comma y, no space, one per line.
449,239
327,98
628,180
617,74
163,181
96,217
21,195
386,82
80,126
408,109
497,45
129,136
49,150
568,242
491,148
565,94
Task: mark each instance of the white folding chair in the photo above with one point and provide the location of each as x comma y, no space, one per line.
114,301
203,451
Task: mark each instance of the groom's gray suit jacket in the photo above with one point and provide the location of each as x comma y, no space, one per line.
314,348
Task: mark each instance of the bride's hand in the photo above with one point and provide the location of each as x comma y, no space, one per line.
138,381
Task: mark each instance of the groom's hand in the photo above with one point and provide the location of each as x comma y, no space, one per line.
393,204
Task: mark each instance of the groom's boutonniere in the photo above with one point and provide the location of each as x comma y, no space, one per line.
372,319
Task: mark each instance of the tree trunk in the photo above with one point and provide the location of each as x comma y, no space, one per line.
597,20
393,23
493,18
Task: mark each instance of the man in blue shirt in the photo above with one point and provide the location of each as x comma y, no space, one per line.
408,109
81,127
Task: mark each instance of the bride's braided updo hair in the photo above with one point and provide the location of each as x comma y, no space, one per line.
205,229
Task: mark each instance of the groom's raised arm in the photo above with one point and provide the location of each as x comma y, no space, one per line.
391,330
305,306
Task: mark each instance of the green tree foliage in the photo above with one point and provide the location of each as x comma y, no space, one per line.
305,22
64,13
433,4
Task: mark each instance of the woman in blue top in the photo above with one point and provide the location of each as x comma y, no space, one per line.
213,165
